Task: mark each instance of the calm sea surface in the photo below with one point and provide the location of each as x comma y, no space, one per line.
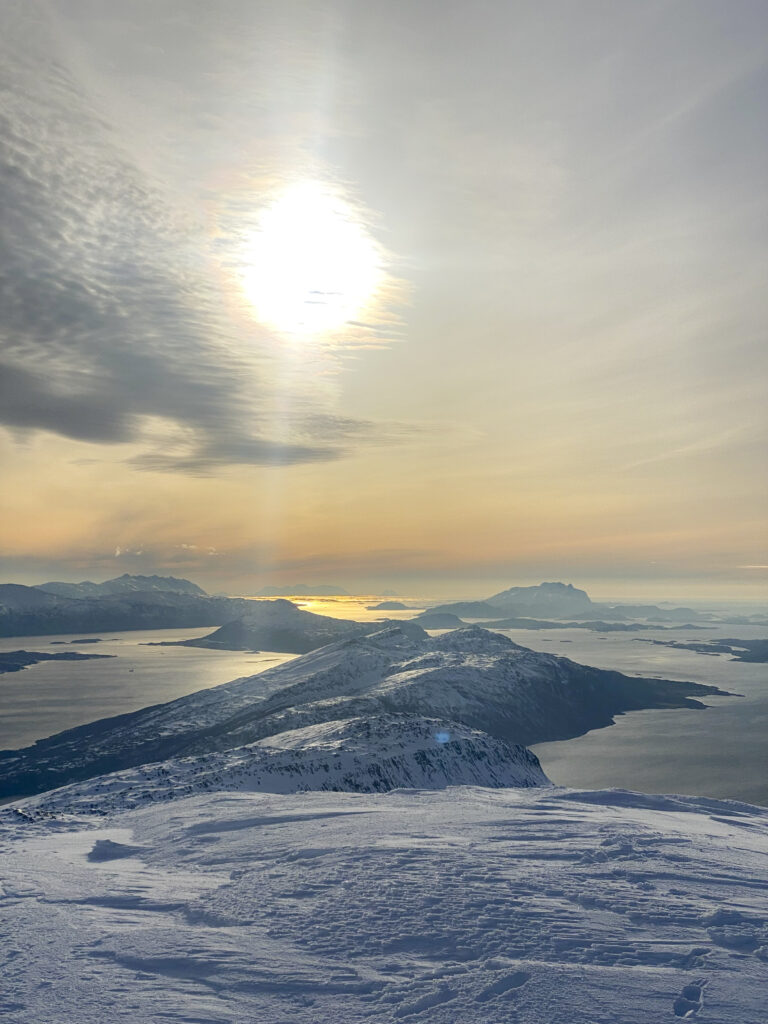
721,751
55,695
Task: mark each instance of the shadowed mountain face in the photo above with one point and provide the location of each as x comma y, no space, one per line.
281,626
29,611
558,599
565,602
15,661
470,677
246,625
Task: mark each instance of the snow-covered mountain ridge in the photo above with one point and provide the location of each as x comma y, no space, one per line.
125,584
470,677
357,755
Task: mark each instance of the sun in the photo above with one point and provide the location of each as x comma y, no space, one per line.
309,266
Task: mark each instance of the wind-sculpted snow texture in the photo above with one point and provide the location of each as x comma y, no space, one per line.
470,677
458,906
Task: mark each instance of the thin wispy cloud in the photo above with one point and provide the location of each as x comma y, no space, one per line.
113,312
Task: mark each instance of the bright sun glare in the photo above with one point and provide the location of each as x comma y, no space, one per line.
309,266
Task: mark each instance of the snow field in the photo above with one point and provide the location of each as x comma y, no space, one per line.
459,905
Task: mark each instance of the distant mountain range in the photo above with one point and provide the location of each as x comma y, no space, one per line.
160,602
125,584
123,604
128,602
566,602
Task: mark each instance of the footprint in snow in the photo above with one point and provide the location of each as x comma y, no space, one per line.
106,849
505,983
690,1000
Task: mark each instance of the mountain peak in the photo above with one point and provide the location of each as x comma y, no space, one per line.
553,598
125,584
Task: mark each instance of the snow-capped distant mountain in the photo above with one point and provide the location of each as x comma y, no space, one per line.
27,611
124,584
359,755
470,677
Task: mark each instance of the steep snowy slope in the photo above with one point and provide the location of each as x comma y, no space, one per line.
358,755
471,676
459,906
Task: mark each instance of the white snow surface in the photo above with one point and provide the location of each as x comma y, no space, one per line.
356,755
357,838
465,904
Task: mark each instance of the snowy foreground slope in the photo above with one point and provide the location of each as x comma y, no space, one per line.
431,875
471,677
479,906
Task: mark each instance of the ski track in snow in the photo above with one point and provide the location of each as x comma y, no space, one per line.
539,906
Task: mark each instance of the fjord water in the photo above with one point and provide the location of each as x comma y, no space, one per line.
721,751
51,696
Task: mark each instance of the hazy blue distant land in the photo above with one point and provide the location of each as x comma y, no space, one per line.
156,602
563,601
740,650
14,661
439,620
597,626
125,584
116,605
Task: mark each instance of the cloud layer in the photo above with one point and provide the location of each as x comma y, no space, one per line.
114,316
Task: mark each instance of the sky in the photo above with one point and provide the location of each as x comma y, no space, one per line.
433,296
